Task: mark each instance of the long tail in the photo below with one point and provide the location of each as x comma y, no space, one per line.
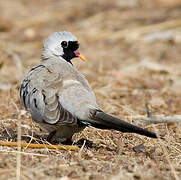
102,120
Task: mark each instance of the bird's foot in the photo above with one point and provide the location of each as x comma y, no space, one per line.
50,136
57,140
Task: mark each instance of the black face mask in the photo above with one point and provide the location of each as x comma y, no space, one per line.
68,49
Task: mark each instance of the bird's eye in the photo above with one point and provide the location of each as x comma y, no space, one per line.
64,44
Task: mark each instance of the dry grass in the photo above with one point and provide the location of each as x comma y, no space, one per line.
133,51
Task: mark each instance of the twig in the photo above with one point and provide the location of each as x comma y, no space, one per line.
24,153
81,149
18,157
18,168
148,110
159,119
156,119
39,146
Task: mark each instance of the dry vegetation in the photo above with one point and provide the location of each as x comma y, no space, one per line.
133,50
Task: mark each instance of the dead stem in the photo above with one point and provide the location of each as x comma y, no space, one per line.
39,146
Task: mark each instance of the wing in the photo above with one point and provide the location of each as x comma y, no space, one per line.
39,94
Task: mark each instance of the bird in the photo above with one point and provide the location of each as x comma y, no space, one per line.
60,99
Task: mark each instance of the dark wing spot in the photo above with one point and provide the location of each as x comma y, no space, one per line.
44,97
34,90
24,91
35,103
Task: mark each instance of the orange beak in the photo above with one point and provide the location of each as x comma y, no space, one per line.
77,53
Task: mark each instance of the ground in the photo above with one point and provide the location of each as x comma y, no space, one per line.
133,59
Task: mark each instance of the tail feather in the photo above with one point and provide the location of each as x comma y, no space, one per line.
102,120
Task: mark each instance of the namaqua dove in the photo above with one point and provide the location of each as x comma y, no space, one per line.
59,97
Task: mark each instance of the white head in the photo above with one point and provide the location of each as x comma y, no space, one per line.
61,44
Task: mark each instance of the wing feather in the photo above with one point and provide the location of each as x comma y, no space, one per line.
39,95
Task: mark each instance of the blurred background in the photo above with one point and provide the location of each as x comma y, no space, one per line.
133,58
